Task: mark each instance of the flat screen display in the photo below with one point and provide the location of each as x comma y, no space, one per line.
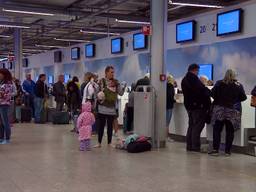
229,22
185,31
117,45
57,56
90,50
206,70
50,79
139,41
75,53
66,78
25,62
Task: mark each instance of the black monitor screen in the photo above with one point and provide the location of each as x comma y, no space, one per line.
206,70
90,50
229,22
50,79
66,78
75,53
185,31
57,56
117,45
25,62
139,41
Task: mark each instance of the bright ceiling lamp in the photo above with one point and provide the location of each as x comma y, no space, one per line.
72,40
133,22
100,33
49,46
3,59
4,36
195,5
14,26
27,12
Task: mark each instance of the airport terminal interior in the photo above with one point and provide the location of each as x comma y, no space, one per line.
127,95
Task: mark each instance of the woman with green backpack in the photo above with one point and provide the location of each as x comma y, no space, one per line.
110,88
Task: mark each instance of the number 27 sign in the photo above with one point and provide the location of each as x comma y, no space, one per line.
205,28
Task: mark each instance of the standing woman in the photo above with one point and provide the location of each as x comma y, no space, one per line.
227,94
6,90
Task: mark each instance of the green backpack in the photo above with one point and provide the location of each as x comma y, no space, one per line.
110,96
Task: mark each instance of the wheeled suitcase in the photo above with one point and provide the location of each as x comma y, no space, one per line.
60,117
25,114
50,113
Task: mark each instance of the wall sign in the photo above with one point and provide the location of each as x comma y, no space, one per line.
208,28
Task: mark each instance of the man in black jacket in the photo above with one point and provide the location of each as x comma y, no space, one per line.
197,103
59,92
41,93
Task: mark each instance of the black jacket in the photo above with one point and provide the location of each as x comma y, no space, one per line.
254,91
41,89
59,92
228,95
74,100
170,96
196,95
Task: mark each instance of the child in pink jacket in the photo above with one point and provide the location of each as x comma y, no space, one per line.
84,124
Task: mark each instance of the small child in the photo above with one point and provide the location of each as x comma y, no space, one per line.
84,124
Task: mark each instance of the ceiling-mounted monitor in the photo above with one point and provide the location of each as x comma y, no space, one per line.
206,70
117,45
50,79
140,41
57,57
185,31
90,50
229,22
66,78
25,62
75,53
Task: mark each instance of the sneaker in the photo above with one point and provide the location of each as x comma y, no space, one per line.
97,146
170,140
214,153
227,154
73,130
5,142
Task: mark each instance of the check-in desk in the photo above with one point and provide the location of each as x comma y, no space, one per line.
179,123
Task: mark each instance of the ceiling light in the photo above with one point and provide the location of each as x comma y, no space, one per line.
37,50
72,40
195,5
133,22
14,26
49,46
4,36
99,33
28,12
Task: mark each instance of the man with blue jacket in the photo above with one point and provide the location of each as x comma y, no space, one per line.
29,89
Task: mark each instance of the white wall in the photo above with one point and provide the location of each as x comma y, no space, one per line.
37,62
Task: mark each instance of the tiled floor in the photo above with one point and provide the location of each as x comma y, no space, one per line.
45,158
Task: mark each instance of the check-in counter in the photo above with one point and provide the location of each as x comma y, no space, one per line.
179,122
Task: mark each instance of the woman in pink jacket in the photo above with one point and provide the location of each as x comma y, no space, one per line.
6,90
84,124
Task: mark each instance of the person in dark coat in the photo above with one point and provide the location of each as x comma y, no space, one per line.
59,92
228,95
145,81
254,91
74,99
41,94
170,92
196,101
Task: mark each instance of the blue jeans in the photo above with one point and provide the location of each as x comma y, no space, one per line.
38,103
5,129
168,117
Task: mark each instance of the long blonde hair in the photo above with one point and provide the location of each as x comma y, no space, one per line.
230,76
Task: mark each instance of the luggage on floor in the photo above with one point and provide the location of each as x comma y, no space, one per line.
139,146
25,114
60,117
50,113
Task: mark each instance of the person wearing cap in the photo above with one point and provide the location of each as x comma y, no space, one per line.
195,96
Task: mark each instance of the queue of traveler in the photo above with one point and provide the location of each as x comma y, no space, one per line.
97,98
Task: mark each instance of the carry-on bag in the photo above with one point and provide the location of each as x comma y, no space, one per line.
139,146
50,113
25,114
60,117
